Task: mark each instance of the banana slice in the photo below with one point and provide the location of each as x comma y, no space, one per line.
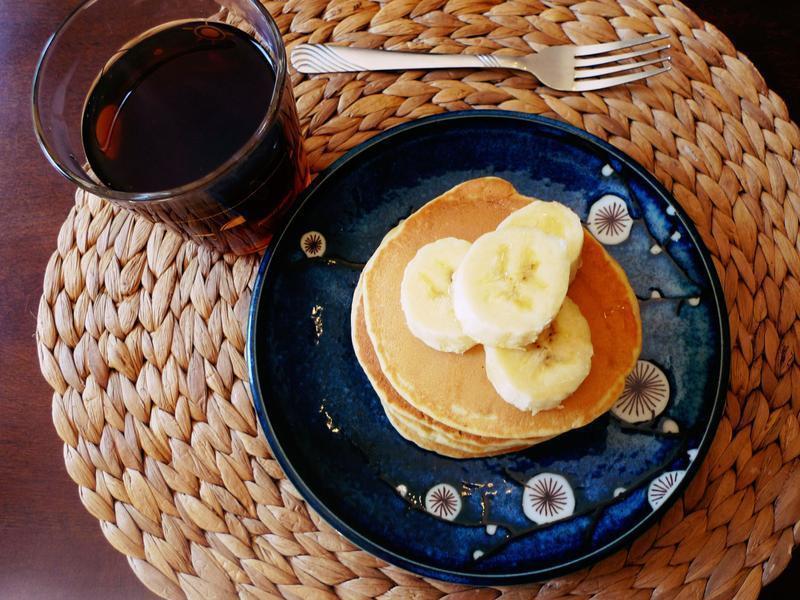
546,372
425,295
553,218
510,285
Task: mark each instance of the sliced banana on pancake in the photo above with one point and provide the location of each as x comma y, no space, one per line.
510,285
546,372
557,220
426,295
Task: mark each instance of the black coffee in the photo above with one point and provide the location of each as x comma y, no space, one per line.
176,105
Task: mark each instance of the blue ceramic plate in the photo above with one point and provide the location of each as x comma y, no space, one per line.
523,516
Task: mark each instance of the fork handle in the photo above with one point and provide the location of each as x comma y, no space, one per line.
324,58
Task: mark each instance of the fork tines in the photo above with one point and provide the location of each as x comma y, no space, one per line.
591,55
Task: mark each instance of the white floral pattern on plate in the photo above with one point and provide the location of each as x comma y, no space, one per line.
645,395
547,497
443,501
662,486
609,220
313,244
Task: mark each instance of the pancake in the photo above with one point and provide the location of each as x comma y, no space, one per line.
410,422
436,432
429,442
453,389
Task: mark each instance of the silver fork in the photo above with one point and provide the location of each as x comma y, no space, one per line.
566,68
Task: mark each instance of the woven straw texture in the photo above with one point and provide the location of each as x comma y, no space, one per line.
141,334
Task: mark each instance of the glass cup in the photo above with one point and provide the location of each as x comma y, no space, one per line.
238,205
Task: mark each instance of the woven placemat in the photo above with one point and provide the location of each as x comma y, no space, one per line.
142,335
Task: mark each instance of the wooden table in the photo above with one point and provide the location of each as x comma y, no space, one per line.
50,547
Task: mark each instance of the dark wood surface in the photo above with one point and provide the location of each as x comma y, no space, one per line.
50,547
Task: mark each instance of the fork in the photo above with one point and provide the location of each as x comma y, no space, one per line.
566,68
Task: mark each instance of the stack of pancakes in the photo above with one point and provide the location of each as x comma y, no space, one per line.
444,402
